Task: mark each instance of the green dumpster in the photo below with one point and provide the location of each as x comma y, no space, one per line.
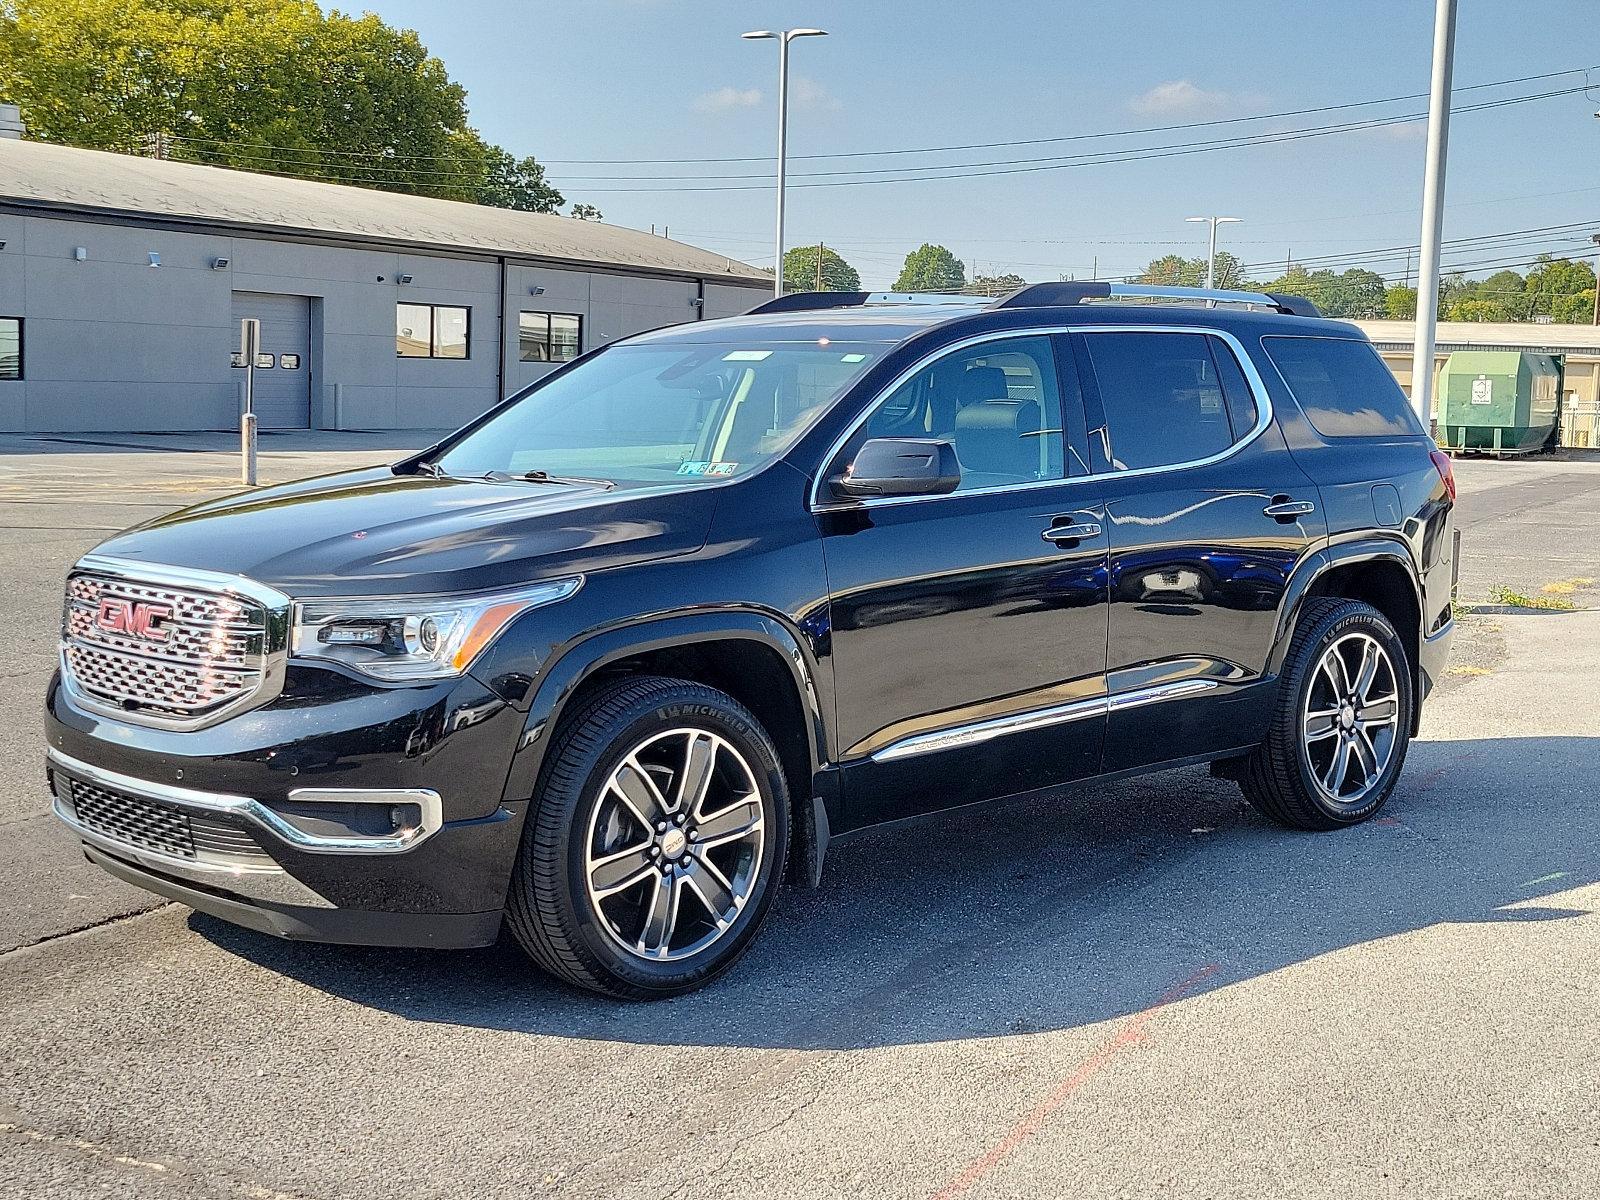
1498,401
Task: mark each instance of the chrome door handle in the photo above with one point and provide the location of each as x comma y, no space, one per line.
1289,508
1072,533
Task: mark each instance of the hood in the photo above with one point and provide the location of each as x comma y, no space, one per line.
372,532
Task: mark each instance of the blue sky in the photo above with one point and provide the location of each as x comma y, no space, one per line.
671,79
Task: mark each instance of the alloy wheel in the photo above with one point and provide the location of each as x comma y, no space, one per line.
674,845
1351,718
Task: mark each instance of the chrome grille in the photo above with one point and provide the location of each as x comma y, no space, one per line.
145,825
202,652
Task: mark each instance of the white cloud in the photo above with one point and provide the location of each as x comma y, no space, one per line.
1181,97
725,99
809,94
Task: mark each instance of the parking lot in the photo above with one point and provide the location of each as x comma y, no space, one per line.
1140,990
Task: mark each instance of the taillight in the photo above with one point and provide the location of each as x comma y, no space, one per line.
1447,472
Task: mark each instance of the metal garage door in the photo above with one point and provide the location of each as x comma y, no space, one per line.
283,370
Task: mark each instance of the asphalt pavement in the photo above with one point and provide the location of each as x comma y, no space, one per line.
1141,989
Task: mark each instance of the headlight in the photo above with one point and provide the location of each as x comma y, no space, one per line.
423,637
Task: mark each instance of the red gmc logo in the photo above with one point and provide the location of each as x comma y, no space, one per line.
133,619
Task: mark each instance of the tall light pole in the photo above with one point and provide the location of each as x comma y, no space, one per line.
1211,254
783,38
1444,53
1595,238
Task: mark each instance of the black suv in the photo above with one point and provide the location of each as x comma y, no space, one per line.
621,655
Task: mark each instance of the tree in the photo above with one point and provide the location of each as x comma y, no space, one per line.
264,85
1353,294
931,268
586,212
996,285
1552,280
800,271
1400,303
1575,308
1173,270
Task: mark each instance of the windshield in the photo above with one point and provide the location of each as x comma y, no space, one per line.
655,412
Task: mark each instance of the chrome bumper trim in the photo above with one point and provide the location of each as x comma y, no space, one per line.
426,800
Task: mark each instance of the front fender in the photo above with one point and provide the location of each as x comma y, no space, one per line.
561,678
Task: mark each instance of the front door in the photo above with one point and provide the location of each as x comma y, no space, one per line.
1208,514
968,647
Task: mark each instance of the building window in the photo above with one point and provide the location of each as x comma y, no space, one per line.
431,330
10,347
549,337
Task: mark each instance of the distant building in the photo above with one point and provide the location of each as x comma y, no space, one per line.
1578,345
123,281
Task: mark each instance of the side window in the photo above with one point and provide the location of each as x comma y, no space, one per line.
1162,397
1343,387
1241,400
999,404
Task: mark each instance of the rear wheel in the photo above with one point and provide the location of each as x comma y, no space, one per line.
1339,738
655,843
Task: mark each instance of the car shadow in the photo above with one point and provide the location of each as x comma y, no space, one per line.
1049,914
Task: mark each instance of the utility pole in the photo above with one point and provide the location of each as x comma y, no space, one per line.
1211,252
819,266
1094,268
1444,51
1595,238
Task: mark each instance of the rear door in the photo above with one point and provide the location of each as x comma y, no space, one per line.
282,392
1207,515
968,630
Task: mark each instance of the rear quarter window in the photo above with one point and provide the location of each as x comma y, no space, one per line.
1343,387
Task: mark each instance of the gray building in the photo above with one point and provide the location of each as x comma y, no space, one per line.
123,280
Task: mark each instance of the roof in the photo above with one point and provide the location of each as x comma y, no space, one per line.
890,322
1488,335
99,183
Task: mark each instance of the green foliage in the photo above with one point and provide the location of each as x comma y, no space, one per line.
586,212
1400,303
931,268
266,85
800,271
995,285
1352,295
1560,288
1173,270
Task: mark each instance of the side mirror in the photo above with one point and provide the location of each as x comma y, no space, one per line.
899,467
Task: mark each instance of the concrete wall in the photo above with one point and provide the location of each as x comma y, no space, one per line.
112,343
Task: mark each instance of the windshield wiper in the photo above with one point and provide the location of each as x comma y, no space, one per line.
577,480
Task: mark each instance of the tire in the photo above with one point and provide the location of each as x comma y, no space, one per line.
631,759
1288,777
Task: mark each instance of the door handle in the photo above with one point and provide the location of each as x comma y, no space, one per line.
1068,534
1285,509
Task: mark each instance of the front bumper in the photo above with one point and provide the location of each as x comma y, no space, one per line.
375,818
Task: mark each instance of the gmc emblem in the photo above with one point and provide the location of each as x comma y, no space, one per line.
133,619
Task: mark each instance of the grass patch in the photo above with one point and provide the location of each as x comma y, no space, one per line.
1500,594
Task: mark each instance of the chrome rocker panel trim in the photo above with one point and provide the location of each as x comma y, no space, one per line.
1058,714
427,800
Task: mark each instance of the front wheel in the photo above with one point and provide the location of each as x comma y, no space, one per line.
655,843
1339,737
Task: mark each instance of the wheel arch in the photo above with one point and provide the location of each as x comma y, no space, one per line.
1379,571
751,655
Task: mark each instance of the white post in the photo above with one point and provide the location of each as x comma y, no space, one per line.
1444,48
249,344
783,156
1211,258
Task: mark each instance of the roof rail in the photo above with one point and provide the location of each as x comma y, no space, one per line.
804,301
1049,295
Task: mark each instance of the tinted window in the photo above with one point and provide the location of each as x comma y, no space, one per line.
1163,399
1241,401
998,403
1343,387
10,348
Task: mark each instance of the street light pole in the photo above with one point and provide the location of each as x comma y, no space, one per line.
1444,51
783,38
1211,253
1595,238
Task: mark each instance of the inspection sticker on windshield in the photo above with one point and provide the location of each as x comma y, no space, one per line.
708,468
746,355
